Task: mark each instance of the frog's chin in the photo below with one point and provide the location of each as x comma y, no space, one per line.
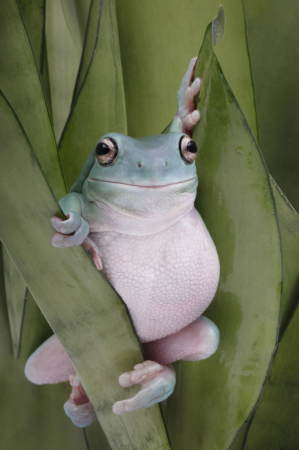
146,201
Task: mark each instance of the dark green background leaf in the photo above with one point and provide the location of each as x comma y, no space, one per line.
24,91
157,41
275,423
273,48
100,105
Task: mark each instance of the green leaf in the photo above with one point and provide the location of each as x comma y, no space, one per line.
275,423
33,12
273,48
76,16
100,105
64,48
90,43
214,397
83,310
5,337
16,295
239,442
45,79
157,40
23,89
289,230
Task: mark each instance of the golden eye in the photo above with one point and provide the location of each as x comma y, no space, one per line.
106,152
188,149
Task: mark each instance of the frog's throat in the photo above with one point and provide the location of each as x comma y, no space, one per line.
102,217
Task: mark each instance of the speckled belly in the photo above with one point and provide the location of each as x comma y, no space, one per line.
166,279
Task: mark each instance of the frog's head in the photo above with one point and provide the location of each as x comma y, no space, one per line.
144,177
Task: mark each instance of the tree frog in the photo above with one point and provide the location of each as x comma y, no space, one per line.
132,208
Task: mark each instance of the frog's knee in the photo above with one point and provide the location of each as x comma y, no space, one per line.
212,336
49,364
208,339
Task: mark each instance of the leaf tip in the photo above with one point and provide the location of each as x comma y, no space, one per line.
218,26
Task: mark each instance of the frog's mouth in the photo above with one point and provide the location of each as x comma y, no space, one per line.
143,186
146,201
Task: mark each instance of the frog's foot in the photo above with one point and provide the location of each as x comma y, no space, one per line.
78,407
157,383
187,117
74,224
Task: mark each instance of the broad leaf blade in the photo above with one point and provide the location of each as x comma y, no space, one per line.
16,294
214,397
100,105
275,423
33,12
157,41
289,230
84,311
273,48
24,91
5,341
92,31
64,48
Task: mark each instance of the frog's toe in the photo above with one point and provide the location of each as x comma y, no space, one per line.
65,240
68,226
81,415
185,83
157,384
141,374
192,119
189,94
78,407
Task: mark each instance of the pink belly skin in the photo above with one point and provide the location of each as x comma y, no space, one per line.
167,279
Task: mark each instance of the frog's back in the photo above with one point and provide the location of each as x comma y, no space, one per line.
166,279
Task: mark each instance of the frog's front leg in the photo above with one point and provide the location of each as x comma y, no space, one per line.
187,117
74,231
195,342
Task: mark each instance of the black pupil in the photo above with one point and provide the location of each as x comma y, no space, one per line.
102,149
192,147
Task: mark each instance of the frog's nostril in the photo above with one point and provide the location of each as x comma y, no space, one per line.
139,164
166,163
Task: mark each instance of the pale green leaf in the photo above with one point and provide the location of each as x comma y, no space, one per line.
84,311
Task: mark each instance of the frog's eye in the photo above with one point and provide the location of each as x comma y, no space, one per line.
188,149
106,152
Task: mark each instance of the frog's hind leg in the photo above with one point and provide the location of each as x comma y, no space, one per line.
195,342
50,364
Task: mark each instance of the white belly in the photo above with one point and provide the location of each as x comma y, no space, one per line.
167,279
